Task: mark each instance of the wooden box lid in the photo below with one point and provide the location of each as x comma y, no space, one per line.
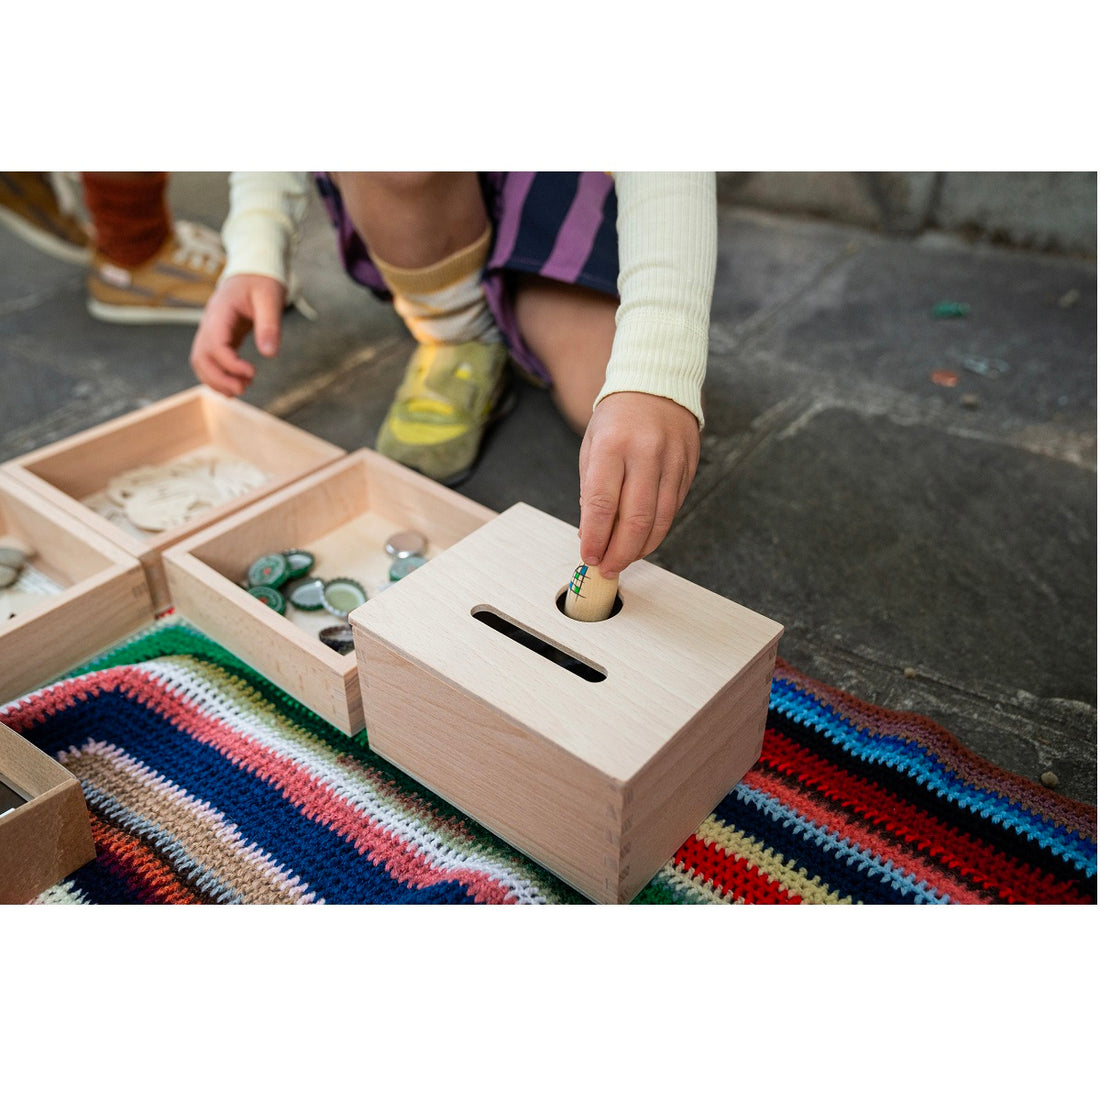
671,648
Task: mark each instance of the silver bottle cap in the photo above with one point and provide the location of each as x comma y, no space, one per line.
404,544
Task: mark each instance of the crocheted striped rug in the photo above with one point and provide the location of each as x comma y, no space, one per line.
206,784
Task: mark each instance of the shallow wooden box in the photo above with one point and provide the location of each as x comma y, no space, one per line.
342,514
72,470
598,781
103,597
50,835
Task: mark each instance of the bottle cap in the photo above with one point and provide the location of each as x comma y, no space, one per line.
12,557
306,593
404,543
300,563
271,570
270,596
338,637
402,567
342,595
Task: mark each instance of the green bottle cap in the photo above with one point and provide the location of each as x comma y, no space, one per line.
306,593
402,567
300,562
270,596
271,570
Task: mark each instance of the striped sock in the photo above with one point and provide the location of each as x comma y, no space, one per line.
444,303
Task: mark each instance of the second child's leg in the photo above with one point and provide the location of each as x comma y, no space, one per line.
146,267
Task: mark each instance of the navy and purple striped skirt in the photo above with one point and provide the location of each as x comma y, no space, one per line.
560,225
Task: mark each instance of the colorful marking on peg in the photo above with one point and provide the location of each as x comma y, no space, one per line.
590,596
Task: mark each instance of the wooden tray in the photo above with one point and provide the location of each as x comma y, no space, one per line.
69,472
103,597
343,514
50,835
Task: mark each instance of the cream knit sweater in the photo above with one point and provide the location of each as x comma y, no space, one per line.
667,230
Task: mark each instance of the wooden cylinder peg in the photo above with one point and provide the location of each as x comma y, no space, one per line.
590,595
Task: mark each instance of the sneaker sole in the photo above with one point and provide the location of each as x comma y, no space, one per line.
145,315
43,241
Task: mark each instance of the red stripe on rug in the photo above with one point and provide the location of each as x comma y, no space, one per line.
137,865
389,789
1007,877
874,842
52,700
731,873
953,755
404,860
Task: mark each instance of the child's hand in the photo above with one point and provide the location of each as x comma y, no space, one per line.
239,305
637,462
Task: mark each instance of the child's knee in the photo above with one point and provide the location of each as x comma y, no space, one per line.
406,185
570,329
396,186
575,408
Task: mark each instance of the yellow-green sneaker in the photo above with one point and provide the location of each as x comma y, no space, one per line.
450,394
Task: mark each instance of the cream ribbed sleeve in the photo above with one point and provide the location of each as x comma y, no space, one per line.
266,210
668,230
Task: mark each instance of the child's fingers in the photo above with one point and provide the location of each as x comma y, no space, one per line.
223,370
668,503
601,486
633,529
651,491
625,500
235,308
267,316
215,361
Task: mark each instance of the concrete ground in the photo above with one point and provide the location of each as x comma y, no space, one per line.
928,547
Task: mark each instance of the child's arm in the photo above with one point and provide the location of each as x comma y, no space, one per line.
641,449
265,214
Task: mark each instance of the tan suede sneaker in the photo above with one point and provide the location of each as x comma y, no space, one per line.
171,287
40,207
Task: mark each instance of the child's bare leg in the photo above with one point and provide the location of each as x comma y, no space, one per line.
429,237
570,329
414,219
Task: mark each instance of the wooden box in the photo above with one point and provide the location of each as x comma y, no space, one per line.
102,594
74,470
598,781
342,514
47,836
